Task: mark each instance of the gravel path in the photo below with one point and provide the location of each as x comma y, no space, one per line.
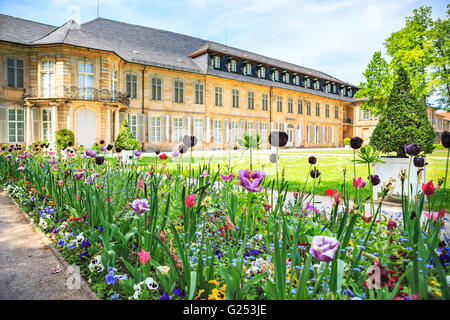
27,260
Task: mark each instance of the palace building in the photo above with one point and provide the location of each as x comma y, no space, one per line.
90,77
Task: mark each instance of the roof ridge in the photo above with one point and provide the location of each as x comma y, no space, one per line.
45,24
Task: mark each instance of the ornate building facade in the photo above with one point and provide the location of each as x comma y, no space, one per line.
91,77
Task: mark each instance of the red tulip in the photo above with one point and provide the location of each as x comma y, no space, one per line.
391,225
163,156
190,201
428,188
330,192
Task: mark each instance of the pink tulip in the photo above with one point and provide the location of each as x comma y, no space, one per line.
190,201
359,183
143,256
141,184
227,178
205,174
434,214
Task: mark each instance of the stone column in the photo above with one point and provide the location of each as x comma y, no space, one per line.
54,120
116,123
28,124
108,125
69,117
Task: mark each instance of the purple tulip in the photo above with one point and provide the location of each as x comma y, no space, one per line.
137,153
251,180
375,179
22,156
91,153
356,142
79,174
312,160
140,205
413,149
419,162
52,161
323,248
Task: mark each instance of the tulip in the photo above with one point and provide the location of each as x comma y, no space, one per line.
324,248
141,184
278,138
140,205
79,174
182,148
251,180
91,153
163,269
109,147
419,162
375,179
315,173
356,142
143,256
412,149
434,214
330,192
227,178
190,201
205,174
428,188
137,153
163,156
273,158
230,224
359,183
189,141
312,160
99,160
391,225
52,161
445,139
174,154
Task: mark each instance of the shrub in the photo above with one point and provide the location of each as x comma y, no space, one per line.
63,138
405,121
125,139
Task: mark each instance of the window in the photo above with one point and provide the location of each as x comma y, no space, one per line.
248,69
366,115
349,92
235,98
300,106
156,129
307,83
114,85
334,88
264,133
198,129
290,105
16,125
279,104
47,124
178,91
336,112
131,80
262,72
15,73
327,110
250,127
232,65
286,77
308,108
276,75
86,80
251,100
218,96
216,62
47,79
317,109
198,89
297,80
328,87
316,84
217,130
177,129
234,131
133,124
156,88
342,91
265,102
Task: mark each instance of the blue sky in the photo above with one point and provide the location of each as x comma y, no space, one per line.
337,37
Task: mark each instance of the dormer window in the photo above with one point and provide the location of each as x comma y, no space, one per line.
286,77
275,75
297,80
216,62
307,82
262,72
334,88
328,87
232,65
316,84
248,69
342,91
349,92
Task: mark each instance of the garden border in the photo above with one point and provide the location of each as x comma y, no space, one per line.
50,245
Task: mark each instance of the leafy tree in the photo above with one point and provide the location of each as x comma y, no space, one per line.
405,123
441,39
125,139
64,137
375,90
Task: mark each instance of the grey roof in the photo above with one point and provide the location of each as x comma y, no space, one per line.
22,31
149,46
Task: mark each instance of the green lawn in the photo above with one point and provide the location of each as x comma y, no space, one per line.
296,167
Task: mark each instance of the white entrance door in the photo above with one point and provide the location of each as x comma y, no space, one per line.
86,128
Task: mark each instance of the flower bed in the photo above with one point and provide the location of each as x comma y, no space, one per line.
152,234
